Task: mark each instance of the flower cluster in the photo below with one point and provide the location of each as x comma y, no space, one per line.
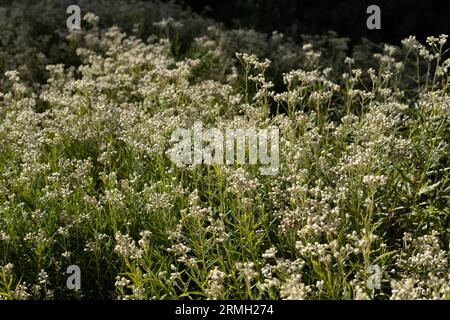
85,176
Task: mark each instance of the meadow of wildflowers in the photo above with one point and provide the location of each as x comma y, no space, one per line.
86,178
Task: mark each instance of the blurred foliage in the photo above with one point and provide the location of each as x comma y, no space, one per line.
400,18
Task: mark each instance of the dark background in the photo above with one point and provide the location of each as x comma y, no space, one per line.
399,18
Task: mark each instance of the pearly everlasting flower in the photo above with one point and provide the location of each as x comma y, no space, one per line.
91,18
126,247
270,253
215,287
294,289
247,270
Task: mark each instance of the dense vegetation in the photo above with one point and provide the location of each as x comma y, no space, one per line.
86,119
